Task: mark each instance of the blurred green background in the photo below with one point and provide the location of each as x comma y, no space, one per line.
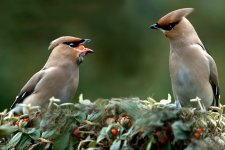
129,60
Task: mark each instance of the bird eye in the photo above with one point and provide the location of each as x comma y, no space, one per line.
170,26
72,44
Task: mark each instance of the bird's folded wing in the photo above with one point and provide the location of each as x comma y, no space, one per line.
213,79
28,88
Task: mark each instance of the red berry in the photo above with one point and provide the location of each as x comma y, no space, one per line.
76,132
17,123
197,135
200,130
164,139
114,132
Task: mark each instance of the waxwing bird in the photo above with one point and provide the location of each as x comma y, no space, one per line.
58,78
193,71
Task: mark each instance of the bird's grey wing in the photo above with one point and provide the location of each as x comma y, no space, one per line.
213,79
28,88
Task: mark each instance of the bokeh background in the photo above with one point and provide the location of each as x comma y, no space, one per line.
129,60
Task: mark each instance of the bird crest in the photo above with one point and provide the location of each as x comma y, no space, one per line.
174,16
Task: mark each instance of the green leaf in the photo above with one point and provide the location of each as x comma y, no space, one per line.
72,143
34,133
127,134
80,116
22,124
131,108
92,144
115,145
62,141
149,146
180,129
94,116
3,147
103,134
25,140
6,130
14,140
49,133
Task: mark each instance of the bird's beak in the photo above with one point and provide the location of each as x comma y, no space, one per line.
86,41
83,50
154,26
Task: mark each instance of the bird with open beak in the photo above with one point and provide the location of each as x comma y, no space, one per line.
193,71
58,78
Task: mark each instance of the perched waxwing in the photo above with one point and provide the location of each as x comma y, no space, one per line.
193,71
58,78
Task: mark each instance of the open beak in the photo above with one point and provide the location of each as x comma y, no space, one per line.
83,50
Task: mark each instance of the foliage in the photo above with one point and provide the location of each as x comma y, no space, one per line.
118,123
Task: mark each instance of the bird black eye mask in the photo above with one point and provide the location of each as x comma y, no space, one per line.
168,27
74,44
